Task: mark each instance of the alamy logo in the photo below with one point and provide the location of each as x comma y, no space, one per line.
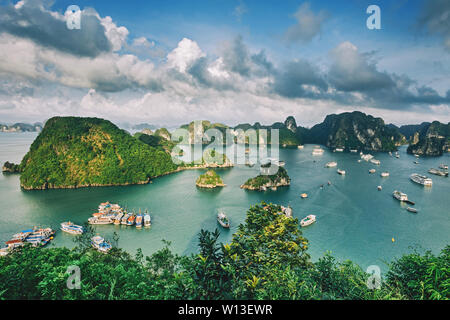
73,17
374,281
374,20
74,280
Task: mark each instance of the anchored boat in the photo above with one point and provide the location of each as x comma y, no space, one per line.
341,172
147,220
420,179
308,220
331,164
412,210
71,228
437,172
100,244
400,196
385,174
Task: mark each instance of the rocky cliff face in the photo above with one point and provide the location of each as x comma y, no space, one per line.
432,140
355,130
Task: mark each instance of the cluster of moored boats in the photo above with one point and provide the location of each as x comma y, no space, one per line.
37,237
114,214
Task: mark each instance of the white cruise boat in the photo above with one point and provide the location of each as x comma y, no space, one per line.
420,179
100,220
331,164
372,171
375,161
339,149
71,228
317,151
400,196
308,220
341,172
366,157
385,174
353,150
100,244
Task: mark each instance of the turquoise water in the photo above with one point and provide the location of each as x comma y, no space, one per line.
354,220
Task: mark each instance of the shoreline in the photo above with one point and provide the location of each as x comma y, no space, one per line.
149,181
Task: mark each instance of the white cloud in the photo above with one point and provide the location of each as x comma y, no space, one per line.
184,55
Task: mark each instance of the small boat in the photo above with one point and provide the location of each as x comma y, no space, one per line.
118,218
100,220
437,172
300,147
375,161
400,196
385,174
339,149
397,155
420,179
329,183
390,153
147,220
100,244
412,210
341,172
366,157
223,220
416,155
353,150
139,219
71,228
372,171
416,162
308,220
304,195
331,164
131,219
443,166
124,219
317,151
380,188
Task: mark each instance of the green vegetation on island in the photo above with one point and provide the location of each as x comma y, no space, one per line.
75,152
266,181
432,139
210,179
355,130
266,259
10,167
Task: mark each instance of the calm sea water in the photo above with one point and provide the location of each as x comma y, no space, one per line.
354,220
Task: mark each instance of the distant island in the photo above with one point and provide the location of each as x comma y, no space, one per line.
21,127
263,182
432,139
210,179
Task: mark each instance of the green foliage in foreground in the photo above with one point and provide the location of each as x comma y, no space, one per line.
267,259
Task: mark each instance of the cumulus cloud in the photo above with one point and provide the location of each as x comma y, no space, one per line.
184,55
435,18
41,75
300,79
30,19
353,71
308,24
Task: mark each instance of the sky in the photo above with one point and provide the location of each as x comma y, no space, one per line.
230,61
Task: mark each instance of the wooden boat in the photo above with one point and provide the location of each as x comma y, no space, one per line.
413,210
223,220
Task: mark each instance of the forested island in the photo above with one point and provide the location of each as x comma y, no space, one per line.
264,182
267,259
210,179
73,152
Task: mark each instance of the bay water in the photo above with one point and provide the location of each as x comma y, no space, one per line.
354,220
